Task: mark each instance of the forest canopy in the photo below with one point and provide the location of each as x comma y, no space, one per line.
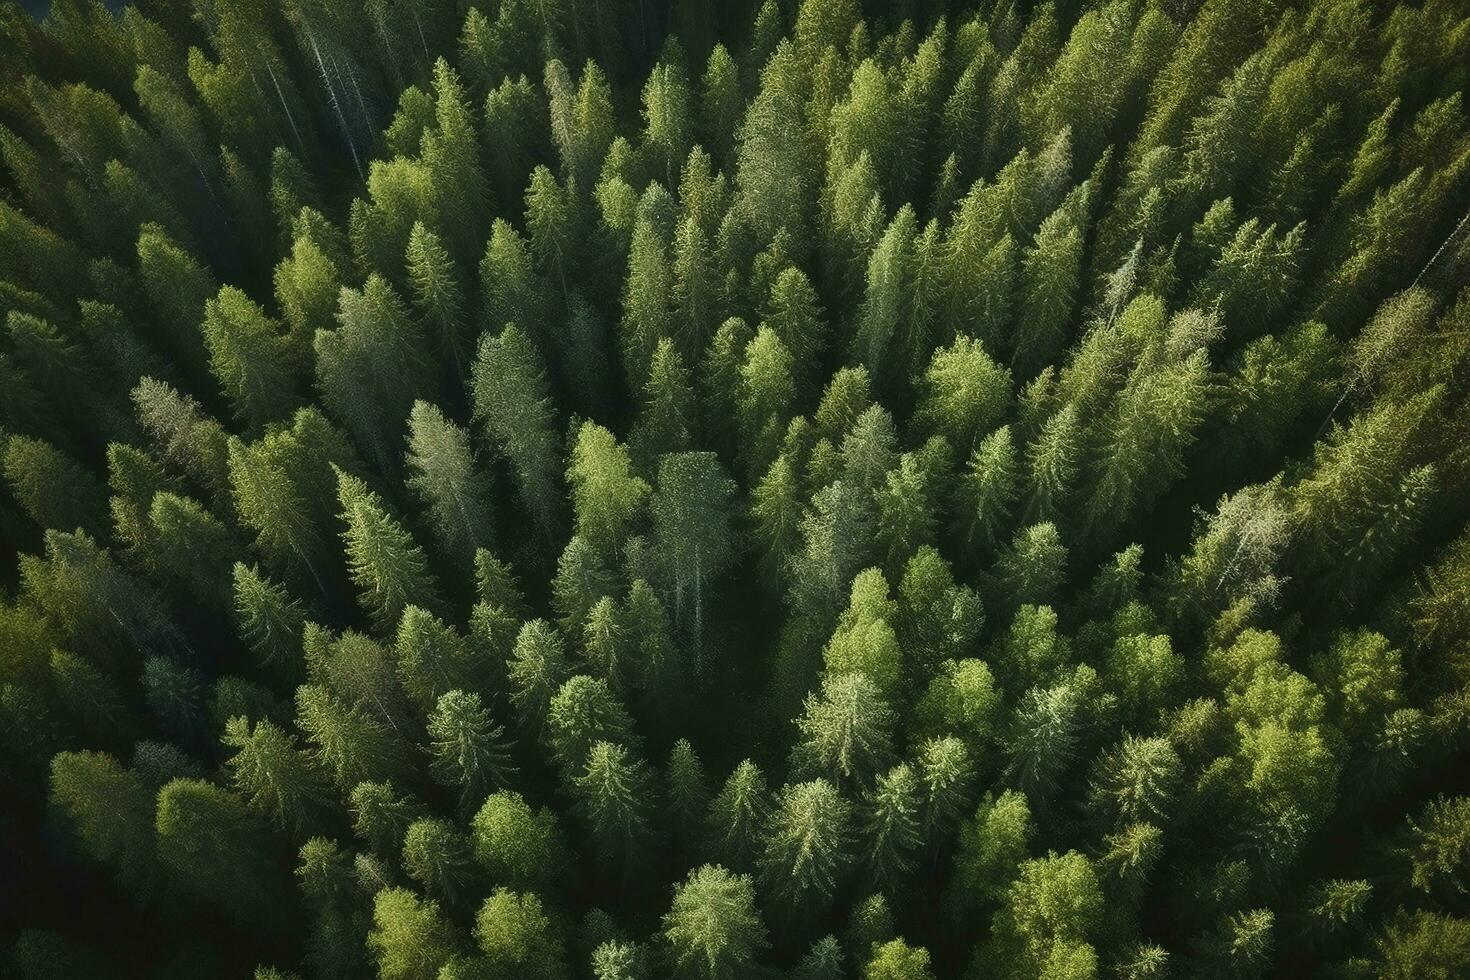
550,489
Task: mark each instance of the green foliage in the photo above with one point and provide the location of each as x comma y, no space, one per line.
713,927
1023,446
387,566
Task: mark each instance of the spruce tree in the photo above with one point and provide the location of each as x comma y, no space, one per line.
387,566
808,837
449,481
713,927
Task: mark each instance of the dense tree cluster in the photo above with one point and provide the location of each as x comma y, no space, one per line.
545,489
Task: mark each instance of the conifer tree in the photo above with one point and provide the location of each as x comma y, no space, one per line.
511,290
217,851
512,402
766,394
892,825
536,670
437,294
191,547
613,794
381,816
468,748
349,743
437,856
584,712
897,960
443,472
55,490
185,435
410,937
737,815
846,732
807,846
667,418
606,495
275,775
687,792
516,844
846,380
713,927
691,521
371,368
1053,459
109,810
253,358
388,567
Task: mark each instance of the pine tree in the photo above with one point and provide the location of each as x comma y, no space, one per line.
1053,459
613,794
349,743
1051,271
410,937
947,773
892,831
191,547
583,713
468,749
437,294
110,811
1241,944
667,417
186,437
897,960
687,792
517,938
511,290
907,509
437,856
807,846
847,732
765,396
1033,569
1055,905
1137,780
517,845
179,286
965,394
606,495
381,816
217,851
795,313
668,118
737,816
582,580
721,105
387,566
691,521
537,668
1044,739
274,775
451,151
342,916
451,483
253,358
713,926
55,490
696,293
777,510
371,369
307,284
512,401
774,170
